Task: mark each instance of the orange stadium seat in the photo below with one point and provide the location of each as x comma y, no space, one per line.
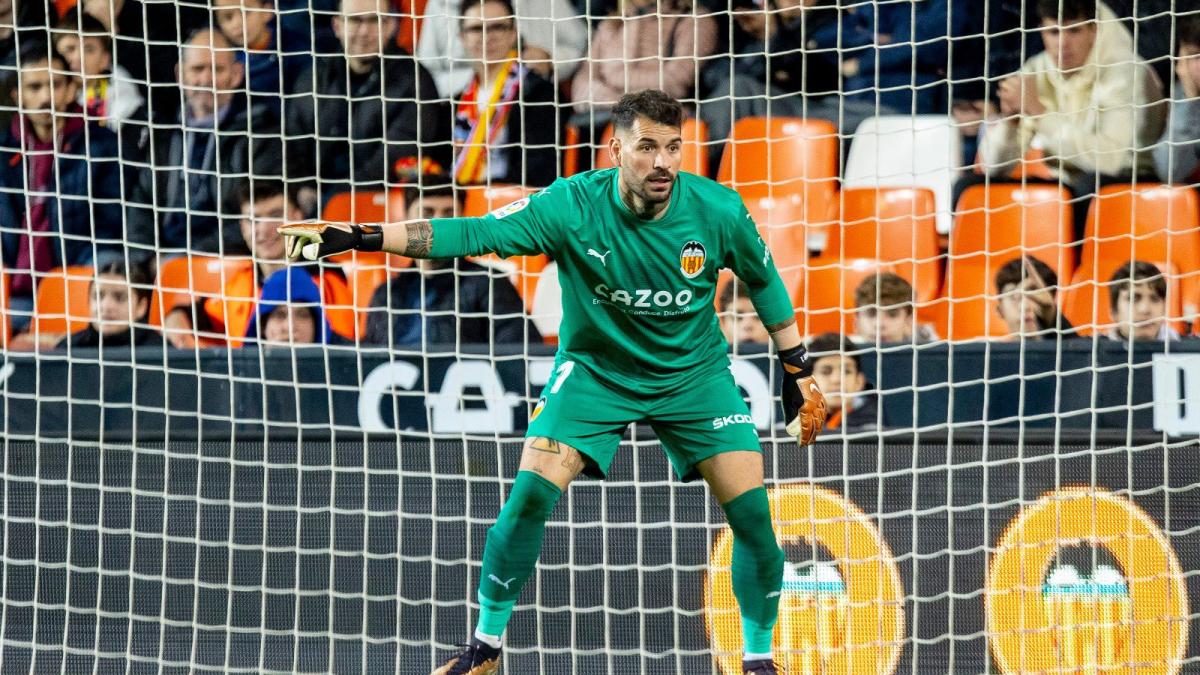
826,295
365,206
996,224
523,269
782,225
1149,222
5,319
895,225
785,157
62,305
695,149
481,200
184,280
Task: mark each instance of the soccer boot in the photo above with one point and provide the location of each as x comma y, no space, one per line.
476,658
763,667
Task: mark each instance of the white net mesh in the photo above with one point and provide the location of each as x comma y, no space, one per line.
217,462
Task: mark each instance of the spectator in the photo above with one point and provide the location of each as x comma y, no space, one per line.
893,56
446,302
339,118
1088,100
1027,288
108,95
837,368
182,202
1137,294
59,182
506,128
150,59
884,311
119,300
739,321
553,40
264,205
769,73
652,45
289,311
266,51
1177,153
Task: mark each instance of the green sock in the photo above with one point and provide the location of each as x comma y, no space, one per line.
512,549
757,567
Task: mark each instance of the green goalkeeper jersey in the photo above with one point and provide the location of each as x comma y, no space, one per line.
638,295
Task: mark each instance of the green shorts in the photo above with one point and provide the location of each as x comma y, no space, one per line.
693,423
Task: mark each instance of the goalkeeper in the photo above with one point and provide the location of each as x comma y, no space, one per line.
639,248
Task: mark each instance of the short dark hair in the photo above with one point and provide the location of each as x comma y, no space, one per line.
656,106
37,49
1012,273
472,4
1135,272
135,273
1069,10
435,186
884,290
1187,29
259,190
830,344
82,26
735,288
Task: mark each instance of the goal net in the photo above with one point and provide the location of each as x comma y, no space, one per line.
985,214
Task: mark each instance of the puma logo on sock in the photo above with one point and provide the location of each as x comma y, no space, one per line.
505,584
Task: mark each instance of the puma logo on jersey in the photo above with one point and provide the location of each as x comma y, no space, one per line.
505,584
594,252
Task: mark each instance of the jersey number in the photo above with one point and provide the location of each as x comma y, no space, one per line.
560,376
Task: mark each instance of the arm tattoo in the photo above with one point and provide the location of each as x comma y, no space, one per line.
776,327
420,239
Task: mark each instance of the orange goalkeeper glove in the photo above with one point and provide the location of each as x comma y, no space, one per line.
803,402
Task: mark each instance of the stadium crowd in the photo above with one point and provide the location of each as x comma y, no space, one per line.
138,138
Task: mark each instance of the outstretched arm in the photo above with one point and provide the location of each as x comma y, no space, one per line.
318,240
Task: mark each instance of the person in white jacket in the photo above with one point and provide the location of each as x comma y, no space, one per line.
553,38
108,95
1088,101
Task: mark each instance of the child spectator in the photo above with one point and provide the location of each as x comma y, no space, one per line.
119,298
289,311
884,311
446,302
1137,294
1027,288
739,321
109,95
838,372
251,25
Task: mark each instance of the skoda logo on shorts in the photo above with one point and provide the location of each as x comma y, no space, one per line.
841,607
691,259
1084,581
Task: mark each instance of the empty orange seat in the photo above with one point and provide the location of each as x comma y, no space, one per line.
781,224
62,305
826,295
896,225
996,224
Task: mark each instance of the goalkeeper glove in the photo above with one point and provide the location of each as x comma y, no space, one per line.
318,240
803,403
